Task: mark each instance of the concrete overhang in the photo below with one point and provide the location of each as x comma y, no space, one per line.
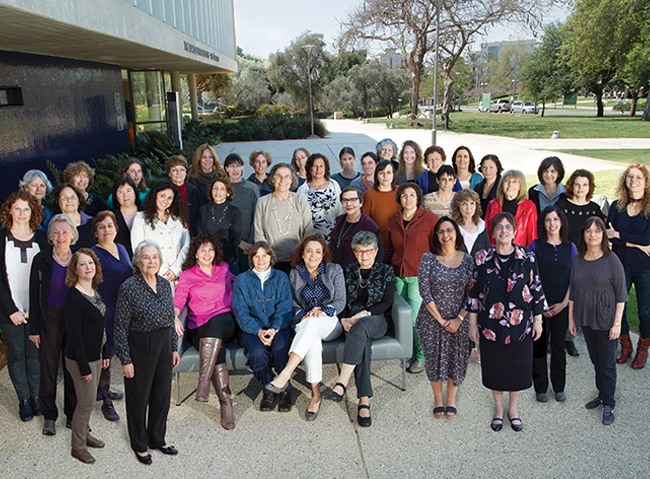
124,36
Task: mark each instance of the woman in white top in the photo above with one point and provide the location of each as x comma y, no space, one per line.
161,220
466,211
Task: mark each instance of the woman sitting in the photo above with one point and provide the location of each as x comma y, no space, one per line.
369,288
261,301
205,287
318,298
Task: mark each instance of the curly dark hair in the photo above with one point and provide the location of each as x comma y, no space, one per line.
310,163
434,241
300,250
198,241
580,174
150,209
57,192
71,276
37,210
541,229
405,186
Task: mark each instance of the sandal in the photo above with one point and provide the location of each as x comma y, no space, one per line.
497,424
450,412
334,396
363,421
439,412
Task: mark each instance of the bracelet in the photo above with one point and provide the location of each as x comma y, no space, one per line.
461,318
538,321
617,324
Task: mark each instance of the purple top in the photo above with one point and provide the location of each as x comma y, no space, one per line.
58,289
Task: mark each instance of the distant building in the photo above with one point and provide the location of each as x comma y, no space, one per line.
80,78
492,50
392,59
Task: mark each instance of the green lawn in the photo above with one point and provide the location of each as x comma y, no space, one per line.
622,156
535,126
632,312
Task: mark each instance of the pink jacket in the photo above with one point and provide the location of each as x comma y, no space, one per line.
205,296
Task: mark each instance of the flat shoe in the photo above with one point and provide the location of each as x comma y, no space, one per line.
363,421
439,412
284,404
94,442
334,396
169,450
416,367
571,349
83,455
275,389
593,404
541,397
450,412
516,427
146,460
312,415
49,427
266,404
560,397
497,424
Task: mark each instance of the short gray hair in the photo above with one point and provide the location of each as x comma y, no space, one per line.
365,238
137,253
32,175
63,218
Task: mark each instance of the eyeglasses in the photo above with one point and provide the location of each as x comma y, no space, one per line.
408,195
507,227
349,200
365,252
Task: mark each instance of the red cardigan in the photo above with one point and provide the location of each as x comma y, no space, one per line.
526,216
405,246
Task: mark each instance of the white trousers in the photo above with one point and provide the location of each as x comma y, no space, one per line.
308,342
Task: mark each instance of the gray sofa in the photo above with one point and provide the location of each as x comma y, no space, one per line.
398,345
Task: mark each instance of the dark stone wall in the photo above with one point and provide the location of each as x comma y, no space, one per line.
68,114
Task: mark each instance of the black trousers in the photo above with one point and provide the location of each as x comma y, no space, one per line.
357,350
554,330
50,354
148,392
602,352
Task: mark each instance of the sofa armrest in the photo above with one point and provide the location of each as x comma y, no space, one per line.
403,323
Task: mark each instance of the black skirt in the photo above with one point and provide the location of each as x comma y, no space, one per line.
507,367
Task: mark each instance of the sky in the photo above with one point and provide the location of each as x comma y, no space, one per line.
264,27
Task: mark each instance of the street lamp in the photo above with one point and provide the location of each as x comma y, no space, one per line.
435,74
308,49
514,88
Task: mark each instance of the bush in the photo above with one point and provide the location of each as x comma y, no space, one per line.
196,133
274,110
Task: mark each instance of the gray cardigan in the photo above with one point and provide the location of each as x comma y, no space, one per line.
333,280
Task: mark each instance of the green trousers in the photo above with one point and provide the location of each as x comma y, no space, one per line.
408,289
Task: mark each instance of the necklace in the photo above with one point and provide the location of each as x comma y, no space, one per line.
287,220
345,229
222,218
636,200
59,260
363,283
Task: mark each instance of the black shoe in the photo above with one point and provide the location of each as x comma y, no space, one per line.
112,395
593,404
68,423
363,421
541,397
312,415
109,411
334,396
266,404
169,450
571,349
560,397
516,427
49,427
36,405
146,460
25,410
284,405
497,424
608,415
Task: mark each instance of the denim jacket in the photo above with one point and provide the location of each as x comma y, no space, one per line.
257,309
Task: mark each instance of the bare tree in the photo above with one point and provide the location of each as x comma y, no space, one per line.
410,26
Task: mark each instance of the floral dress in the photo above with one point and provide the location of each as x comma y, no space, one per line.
325,206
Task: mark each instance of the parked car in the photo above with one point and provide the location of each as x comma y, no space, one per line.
499,106
524,107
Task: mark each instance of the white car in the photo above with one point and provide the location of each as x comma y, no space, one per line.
521,107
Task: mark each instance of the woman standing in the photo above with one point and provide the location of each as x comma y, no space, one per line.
80,175
347,157
298,162
322,194
20,242
261,301
547,192
596,301
205,287
629,231
69,201
368,165
348,225
283,218
576,202
409,234
555,255
369,291
434,157
465,168
511,198
47,292
506,302
116,268
466,212
318,299
260,161
85,353
379,201
223,220
161,220
443,277
36,183
410,163
128,205
147,346
190,196
387,150
205,169
133,169
439,201
490,167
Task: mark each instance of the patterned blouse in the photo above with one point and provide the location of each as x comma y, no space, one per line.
325,206
506,300
314,294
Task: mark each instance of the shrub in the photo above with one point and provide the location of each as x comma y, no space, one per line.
274,110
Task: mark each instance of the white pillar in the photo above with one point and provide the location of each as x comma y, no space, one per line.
191,84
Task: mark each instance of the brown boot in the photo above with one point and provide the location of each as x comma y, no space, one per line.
220,380
208,351
626,348
641,353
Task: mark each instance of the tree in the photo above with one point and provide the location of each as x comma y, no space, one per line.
544,75
635,71
507,68
288,69
409,26
250,89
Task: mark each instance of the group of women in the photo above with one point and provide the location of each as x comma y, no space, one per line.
212,257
